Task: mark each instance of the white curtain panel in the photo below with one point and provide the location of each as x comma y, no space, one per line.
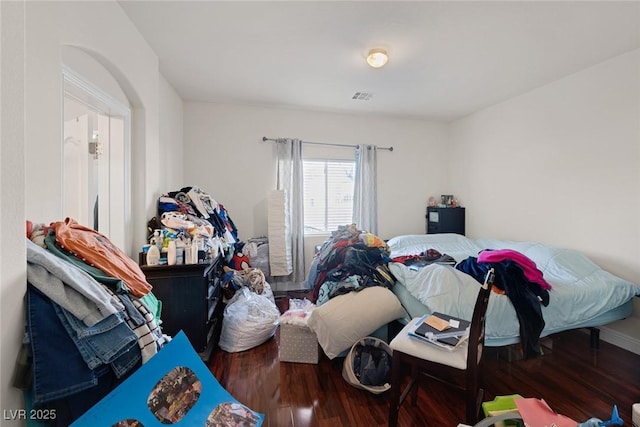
291,180
365,197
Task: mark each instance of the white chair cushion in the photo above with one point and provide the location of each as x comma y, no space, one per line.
422,350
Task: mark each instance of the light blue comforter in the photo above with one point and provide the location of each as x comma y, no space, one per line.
583,294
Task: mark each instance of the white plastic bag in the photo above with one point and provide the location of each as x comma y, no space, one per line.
249,320
298,312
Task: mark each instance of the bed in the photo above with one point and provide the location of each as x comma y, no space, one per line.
582,295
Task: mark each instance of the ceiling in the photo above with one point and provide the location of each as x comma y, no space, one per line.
447,59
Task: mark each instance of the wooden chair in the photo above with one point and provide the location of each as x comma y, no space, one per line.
429,360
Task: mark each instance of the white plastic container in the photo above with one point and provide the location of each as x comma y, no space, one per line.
635,415
180,252
153,255
194,252
172,253
187,253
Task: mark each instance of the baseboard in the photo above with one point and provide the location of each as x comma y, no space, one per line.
280,285
619,339
283,289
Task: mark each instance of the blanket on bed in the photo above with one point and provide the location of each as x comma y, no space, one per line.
583,294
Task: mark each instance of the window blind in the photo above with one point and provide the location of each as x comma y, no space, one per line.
328,194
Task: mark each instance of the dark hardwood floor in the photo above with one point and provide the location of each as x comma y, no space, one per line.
573,378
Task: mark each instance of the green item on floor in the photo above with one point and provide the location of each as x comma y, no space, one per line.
502,405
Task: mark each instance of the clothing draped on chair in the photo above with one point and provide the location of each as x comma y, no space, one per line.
291,180
365,197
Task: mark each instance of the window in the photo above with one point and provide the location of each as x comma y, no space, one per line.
328,194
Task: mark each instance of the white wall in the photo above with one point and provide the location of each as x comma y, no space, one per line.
33,36
171,130
560,164
225,156
12,176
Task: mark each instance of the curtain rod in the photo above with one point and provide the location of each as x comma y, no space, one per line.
265,139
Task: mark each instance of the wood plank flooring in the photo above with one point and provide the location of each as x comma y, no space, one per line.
574,379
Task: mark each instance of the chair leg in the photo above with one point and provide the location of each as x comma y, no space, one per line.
394,397
479,400
415,377
473,397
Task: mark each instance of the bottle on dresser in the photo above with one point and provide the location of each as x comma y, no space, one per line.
153,254
171,252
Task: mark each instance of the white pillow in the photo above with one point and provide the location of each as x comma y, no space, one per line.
343,320
455,245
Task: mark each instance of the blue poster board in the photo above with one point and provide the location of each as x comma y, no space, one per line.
174,387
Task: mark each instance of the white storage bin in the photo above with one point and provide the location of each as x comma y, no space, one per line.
298,344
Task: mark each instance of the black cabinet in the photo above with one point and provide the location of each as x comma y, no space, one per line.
191,297
445,220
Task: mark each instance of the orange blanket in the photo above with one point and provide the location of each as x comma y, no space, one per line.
98,251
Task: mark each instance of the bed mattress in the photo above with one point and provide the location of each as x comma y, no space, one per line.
583,294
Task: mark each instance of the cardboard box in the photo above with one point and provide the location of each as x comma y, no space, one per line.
298,344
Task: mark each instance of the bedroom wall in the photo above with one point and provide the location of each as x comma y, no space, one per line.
33,34
560,164
170,135
225,156
12,176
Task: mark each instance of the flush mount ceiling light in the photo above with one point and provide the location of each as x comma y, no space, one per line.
377,58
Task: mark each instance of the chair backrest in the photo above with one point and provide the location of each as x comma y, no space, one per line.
478,320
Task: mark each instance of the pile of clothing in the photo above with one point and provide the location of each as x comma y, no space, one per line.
91,318
350,260
194,213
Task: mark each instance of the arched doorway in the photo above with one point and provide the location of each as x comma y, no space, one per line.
96,170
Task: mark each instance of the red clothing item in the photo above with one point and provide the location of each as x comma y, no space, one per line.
404,258
98,251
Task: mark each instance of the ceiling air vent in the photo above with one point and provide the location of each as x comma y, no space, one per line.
362,96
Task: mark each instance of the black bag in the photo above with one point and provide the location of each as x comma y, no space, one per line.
372,366
368,365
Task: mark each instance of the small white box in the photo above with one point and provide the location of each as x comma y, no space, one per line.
635,415
298,344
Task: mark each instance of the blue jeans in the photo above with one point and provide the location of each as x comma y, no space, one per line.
59,369
110,341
